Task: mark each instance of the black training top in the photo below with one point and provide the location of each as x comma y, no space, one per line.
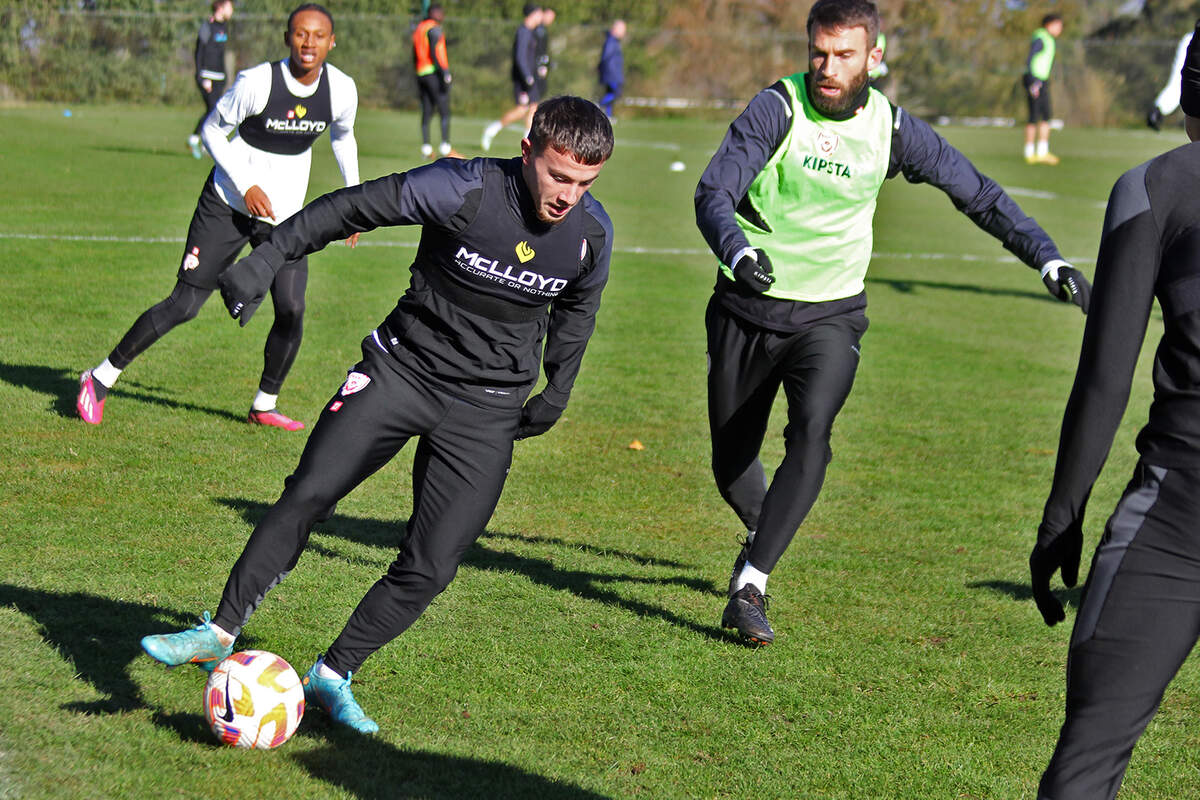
524,56
917,151
1150,248
489,283
210,50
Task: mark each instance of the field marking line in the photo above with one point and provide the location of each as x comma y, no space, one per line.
632,250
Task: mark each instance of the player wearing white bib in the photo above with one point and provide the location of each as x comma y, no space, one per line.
275,112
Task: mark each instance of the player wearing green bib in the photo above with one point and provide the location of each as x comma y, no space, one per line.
786,204
1036,81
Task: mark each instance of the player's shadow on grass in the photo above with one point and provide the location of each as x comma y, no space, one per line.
368,768
98,635
904,286
142,151
588,585
62,386
1021,591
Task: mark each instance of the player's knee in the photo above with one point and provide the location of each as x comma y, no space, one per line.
309,497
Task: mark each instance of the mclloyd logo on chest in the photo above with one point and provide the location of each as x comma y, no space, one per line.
826,144
500,271
296,122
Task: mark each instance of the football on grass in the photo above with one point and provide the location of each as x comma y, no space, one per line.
253,699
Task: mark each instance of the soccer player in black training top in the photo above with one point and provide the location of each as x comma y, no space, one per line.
1140,612
210,64
513,253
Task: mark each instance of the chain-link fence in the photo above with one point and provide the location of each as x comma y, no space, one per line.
79,55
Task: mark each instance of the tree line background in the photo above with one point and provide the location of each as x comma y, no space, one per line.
947,57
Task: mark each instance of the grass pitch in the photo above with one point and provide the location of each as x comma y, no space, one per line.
578,654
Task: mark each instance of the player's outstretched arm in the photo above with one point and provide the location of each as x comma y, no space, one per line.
1112,341
923,156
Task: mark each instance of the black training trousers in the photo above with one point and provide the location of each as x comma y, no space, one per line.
462,459
216,235
434,94
210,100
1139,619
747,365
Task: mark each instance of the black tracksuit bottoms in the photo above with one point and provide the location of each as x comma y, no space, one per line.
1137,622
747,365
463,454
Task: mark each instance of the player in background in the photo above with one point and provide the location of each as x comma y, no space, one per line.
541,50
1139,615
210,64
513,255
611,67
275,112
1036,81
786,204
433,78
1168,99
524,76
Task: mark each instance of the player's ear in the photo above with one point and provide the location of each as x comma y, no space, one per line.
526,151
332,41
874,58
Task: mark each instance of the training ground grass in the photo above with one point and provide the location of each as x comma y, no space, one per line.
578,654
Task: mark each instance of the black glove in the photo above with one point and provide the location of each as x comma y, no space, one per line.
757,274
1054,552
1067,284
537,417
245,284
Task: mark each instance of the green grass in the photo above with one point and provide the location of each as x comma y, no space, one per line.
578,653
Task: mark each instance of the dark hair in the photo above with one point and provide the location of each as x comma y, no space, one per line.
1046,20
311,7
574,126
845,14
218,3
529,8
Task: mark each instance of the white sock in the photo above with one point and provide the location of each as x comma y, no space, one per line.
225,637
264,401
427,150
1029,150
193,139
752,575
328,672
445,148
106,373
493,129
1043,147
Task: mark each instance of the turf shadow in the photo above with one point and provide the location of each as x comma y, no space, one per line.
98,635
1020,591
62,386
142,151
368,768
904,286
589,585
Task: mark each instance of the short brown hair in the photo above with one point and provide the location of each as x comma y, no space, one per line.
845,14
572,125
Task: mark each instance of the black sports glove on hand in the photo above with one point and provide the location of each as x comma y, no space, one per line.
1051,553
1068,284
537,417
244,285
757,274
